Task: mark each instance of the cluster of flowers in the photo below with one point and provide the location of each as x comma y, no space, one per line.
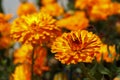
38,29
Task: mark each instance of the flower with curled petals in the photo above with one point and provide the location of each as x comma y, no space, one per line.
36,28
76,46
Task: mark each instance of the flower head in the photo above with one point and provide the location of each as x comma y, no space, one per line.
77,46
35,28
26,8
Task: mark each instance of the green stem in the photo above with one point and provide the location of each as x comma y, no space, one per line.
86,72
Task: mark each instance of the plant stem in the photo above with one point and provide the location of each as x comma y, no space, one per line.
86,72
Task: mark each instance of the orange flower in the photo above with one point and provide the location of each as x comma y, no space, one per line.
26,8
53,9
116,8
46,2
77,46
4,42
77,21
4,30
107,56
35,28
5,18
98,9
4,24
83,4
101,11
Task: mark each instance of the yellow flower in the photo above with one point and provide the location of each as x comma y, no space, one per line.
77,46
53,9
105,54
35,28
26,8
46,2
77,21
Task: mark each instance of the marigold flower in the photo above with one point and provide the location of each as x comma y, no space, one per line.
4,24
101,12
35,28
83,4
77,46
107,53
4,30
53,9
46,2
76,21
26,8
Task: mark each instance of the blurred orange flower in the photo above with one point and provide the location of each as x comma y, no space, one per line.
107,53
46,2
98,9
4,42
101,11
5,17
36,28
77,46
26,8
53,9
83,4
5,30
77,21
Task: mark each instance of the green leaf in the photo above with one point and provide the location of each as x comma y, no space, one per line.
103,70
